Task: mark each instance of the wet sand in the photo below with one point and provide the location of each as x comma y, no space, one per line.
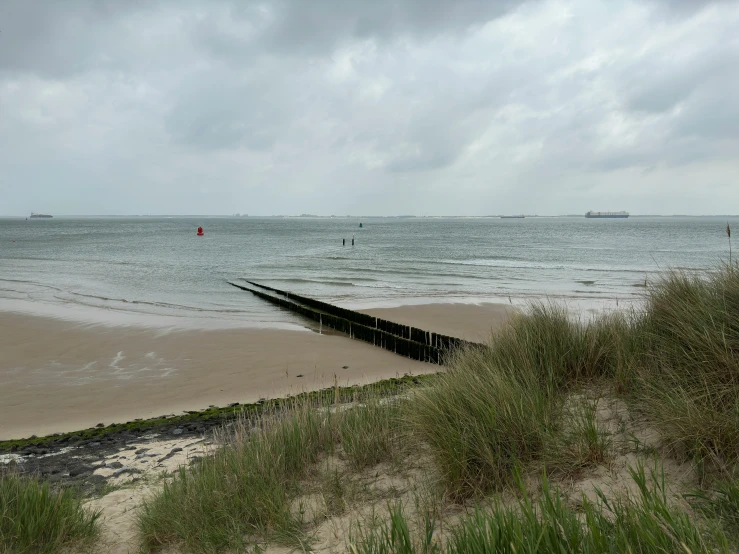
473,322
58,376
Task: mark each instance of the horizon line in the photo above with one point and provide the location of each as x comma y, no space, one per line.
333,216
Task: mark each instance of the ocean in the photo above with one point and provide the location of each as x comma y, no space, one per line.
147,270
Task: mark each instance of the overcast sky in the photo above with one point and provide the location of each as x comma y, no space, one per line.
383,107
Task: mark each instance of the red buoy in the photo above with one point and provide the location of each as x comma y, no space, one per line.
200,232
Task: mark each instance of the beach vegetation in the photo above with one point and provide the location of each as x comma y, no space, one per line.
503,406
720,503
247,488
688,370
36,519
647,524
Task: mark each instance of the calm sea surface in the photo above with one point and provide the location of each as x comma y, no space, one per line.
156,270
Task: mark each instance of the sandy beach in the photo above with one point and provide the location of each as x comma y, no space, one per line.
59,376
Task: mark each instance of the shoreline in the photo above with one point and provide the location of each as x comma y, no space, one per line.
74,458
60,376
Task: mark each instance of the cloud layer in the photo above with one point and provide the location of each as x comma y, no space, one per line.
334,107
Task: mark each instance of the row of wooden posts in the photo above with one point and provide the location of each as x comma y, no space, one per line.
403,340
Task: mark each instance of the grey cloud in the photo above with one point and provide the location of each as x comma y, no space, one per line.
62,38
714,114
687,6
323,24
219,110
660,85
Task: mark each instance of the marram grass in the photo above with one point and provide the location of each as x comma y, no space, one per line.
36,519
246,488
647,524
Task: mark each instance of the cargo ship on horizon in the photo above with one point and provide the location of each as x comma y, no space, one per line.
607,215
34,216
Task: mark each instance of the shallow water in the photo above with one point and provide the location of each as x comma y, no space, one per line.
157,271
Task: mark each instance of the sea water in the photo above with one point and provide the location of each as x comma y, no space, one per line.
147,270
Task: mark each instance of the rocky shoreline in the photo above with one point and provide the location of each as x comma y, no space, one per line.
96,458
91,464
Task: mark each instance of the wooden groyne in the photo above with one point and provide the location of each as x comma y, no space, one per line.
403,340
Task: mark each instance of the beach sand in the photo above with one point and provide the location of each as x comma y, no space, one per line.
473,322
58,376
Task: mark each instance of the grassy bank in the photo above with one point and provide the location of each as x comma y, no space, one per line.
35,519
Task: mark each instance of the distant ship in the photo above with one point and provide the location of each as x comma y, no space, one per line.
611,215
512,216
33,215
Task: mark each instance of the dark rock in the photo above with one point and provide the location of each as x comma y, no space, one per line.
100,425
114,465
299,375
232,404
168,456
345,367
141,451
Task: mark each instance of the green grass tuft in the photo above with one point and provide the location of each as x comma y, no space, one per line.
720,503
689,370
35,519
499,407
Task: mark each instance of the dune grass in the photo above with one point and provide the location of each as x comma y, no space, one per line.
688,373
500,407
646,524
246,487
35,519
678,360
721,504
